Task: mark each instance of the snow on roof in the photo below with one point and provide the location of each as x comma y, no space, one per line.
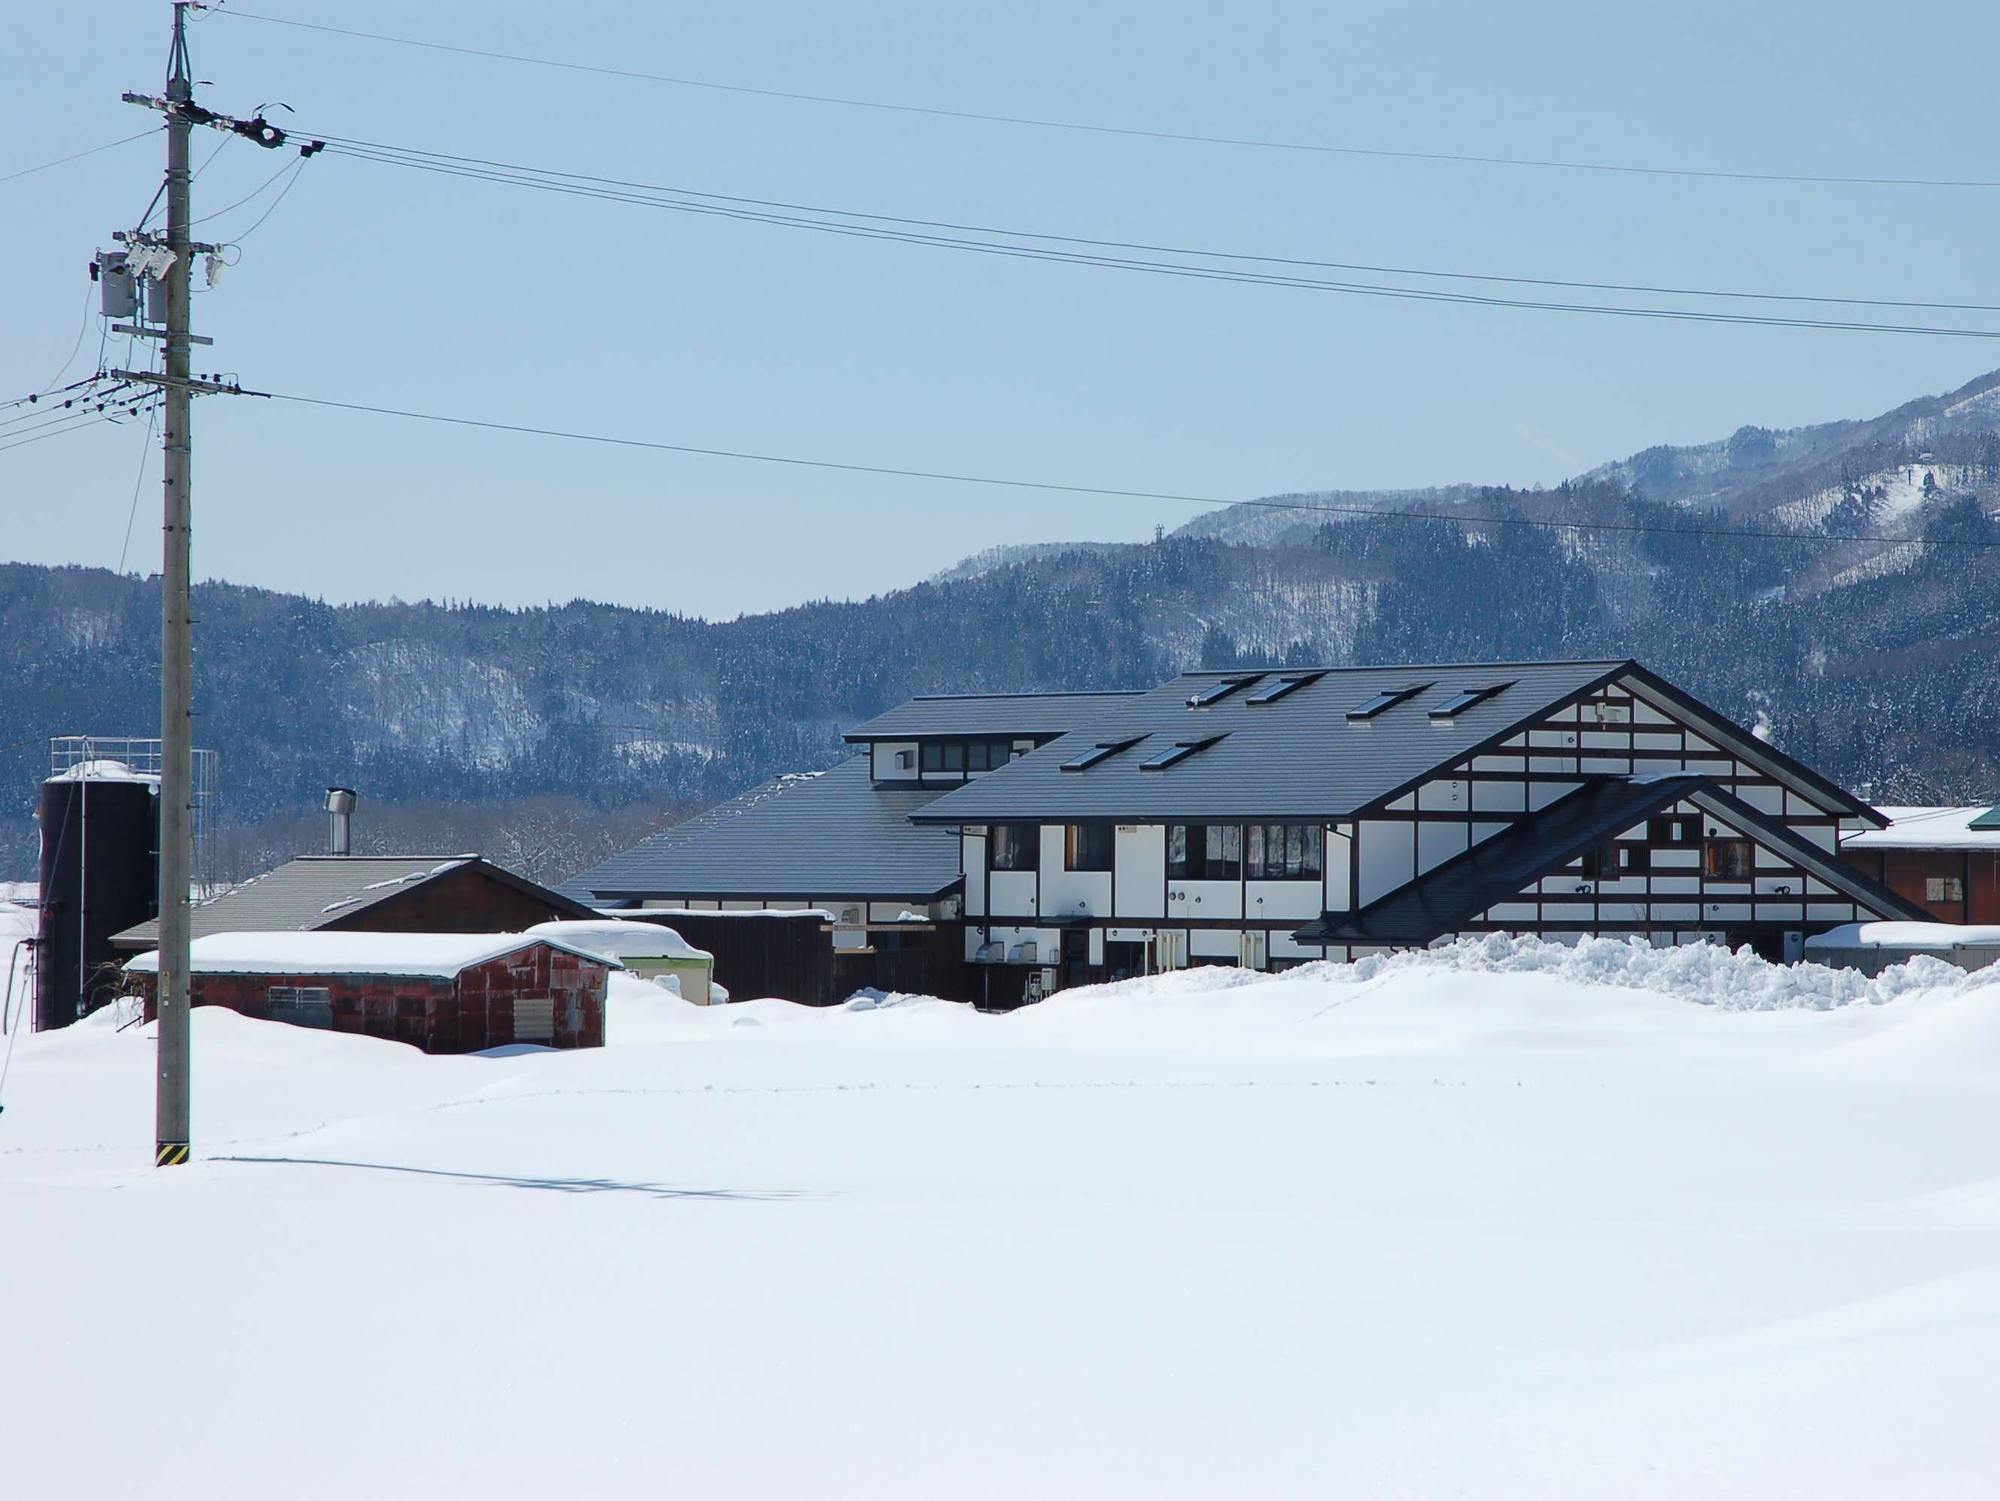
1939,936
626,940
438,956
1929,829
102,771
820,912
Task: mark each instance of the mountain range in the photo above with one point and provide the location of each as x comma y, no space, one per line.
1836,586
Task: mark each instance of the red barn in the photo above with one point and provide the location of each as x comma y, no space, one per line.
1945,860
442,992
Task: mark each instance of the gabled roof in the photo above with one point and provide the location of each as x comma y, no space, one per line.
314,891
433,956
988,715
1298,756
1503,867
809,837
1973,828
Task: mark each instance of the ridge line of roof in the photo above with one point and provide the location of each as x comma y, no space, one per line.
1234,672
932,698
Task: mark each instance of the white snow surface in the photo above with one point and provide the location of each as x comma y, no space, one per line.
438,956
623,940
1927,828
1497,1221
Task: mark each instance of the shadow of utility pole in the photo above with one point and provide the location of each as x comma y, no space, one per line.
511,1180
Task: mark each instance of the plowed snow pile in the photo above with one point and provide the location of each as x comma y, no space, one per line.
1506,1219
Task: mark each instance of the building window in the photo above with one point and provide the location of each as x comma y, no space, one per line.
1944,889
1727,859
1087,846
1283,851
955,756
1633,859
1678,831
1204,852
1013,846
903,760
301,1005
988,755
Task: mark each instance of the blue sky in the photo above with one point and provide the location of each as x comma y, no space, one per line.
377,285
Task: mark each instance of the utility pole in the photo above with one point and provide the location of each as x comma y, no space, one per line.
172,1098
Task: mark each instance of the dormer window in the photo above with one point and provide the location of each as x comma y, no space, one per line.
1217,691
1388,698
1103,750
1179,751
1460,699
1270,693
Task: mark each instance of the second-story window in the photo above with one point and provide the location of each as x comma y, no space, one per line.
944,755
953,757
1087,846
1013,846
1204,852
1283,851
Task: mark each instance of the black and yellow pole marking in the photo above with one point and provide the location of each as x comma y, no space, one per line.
171,1154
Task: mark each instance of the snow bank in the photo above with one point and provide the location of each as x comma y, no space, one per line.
1702,972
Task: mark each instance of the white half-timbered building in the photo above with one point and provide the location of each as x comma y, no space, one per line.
1265,818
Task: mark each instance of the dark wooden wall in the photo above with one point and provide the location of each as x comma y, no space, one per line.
793,958
1907,873
466,900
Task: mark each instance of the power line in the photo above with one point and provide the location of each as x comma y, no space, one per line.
1015,249
1069,488
481,167
1136,132
76,156
75,424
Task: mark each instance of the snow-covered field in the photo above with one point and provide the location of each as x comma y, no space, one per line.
1502,1223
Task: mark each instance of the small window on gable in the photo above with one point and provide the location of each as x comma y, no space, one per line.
1728,859
1459,700
1217,691
1388,698
1083,760
1673,831
1270,693
1179,751
1944,888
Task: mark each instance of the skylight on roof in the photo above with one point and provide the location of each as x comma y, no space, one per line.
1460,699
1270,693
1215,692
1388,698
1085,759
1180,750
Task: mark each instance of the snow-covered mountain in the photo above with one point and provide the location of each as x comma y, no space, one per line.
1878,659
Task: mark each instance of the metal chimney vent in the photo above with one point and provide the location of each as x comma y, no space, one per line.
339,807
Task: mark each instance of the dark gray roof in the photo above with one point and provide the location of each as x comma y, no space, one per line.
815,836
1299,756
315,890
989,714
1443,900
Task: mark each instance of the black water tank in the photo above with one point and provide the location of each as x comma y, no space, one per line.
100,875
